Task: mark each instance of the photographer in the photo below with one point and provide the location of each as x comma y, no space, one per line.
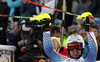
20,48
30,45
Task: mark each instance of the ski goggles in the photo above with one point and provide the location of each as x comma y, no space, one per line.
72,46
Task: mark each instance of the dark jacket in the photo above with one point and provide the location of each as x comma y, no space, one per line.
98,55
68,18
96,13
28,9
18,53
4,9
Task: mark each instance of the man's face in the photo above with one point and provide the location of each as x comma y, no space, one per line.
56,34
75,53
75,49
73,32
82,32
95,32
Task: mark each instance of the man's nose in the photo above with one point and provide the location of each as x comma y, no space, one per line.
75,49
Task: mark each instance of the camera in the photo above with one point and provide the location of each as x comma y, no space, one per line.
32,34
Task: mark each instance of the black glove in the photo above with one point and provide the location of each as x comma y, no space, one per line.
46,26
88,23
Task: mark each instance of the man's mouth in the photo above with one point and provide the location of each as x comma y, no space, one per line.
75,52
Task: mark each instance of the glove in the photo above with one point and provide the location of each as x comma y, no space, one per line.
84,15
47,23
88,20
46,26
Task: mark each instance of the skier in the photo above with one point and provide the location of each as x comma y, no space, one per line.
74,46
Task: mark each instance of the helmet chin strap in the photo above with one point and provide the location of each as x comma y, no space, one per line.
78,56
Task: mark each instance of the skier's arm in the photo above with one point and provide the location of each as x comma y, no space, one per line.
92,44
48,48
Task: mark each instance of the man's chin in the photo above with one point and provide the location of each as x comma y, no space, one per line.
76,56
